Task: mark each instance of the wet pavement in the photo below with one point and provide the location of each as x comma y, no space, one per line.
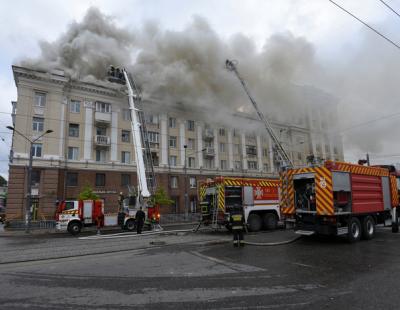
200,271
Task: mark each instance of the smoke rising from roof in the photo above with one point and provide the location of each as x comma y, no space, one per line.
186,66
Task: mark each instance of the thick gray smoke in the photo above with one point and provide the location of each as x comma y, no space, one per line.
185,67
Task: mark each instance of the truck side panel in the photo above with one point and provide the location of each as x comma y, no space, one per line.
367,194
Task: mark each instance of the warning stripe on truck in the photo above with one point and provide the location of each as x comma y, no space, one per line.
287,193
221,197
324,193
394,191
250,182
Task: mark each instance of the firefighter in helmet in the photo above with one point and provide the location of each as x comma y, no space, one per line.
237,223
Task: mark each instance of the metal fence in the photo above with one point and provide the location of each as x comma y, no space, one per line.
180,218
20,225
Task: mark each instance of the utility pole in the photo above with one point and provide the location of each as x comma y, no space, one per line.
186,192
28,209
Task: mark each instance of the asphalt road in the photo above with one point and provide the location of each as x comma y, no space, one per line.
187,271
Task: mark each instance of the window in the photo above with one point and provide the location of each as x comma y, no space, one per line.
190,125
172,122
153,136
265,167
101,155
35,177
172,141
222,147
40,99
73,130
251,150
252,165
126,115
191,162
101,131
125,136
235,132
193,204
335,150
151,119
192,182
125,179
103,107
100,179
327,148
238,165
73,153
125,157
236,149
75,106
222,132
173,181
36,150
299,156
208,163
72,179
190,144
224,164
172,161
265,152
37,124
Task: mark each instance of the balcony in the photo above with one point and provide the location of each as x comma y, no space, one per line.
102,117
209,152
102,140
208,134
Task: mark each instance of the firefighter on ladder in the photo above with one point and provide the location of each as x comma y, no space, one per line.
237,224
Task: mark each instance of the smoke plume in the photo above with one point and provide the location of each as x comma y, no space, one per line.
185,67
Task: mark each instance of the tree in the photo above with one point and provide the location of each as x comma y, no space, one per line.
87,194
161,198
3,181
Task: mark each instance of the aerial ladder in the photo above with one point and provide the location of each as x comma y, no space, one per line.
283,157
144,162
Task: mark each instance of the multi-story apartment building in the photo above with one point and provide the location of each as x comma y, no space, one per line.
91,142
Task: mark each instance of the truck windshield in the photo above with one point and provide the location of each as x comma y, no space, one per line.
69,205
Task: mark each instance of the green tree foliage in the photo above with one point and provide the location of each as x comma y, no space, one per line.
3,181
87,194
161,198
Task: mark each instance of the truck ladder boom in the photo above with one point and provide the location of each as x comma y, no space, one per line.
137,138
230,65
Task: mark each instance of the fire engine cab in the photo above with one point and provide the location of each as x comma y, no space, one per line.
258,197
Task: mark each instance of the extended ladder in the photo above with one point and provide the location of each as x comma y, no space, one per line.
147,156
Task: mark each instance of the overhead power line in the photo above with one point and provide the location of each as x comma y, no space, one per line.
390,8
365,24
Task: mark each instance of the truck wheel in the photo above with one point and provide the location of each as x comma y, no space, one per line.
254,221
130,225
354,233
74,228
368,229
270,221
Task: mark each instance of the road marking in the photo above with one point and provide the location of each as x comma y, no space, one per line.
303,265
283,306
233,266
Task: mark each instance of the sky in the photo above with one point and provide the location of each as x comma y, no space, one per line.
354,64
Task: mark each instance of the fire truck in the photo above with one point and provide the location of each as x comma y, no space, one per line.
259,198
338,198
74,215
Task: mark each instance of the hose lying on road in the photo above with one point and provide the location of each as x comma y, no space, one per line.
273,243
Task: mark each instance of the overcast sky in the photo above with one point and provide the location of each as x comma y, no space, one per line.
362,69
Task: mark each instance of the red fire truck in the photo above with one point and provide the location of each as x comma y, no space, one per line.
74,215
259,198
339,198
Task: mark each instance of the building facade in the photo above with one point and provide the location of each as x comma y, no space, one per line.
91,143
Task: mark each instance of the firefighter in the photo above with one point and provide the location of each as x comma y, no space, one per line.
140,217
237,223
121,201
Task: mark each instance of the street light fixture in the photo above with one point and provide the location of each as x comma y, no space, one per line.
28,209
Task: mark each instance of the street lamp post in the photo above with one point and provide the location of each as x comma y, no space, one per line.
186,192
28,209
